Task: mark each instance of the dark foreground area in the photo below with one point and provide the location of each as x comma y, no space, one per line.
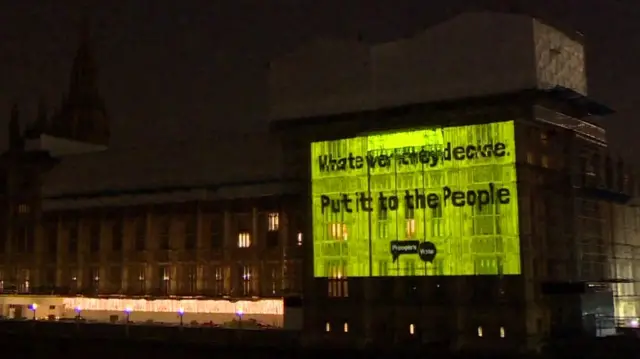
34,347
29,339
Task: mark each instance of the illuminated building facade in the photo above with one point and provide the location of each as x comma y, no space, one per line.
485,273
556,250
79,218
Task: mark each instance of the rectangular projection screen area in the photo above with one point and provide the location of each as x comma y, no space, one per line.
429,202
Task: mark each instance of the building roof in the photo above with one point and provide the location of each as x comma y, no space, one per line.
580,105
222,159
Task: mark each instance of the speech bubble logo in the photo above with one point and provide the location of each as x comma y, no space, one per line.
427,251
399,248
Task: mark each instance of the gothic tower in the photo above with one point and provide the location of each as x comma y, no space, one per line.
82,116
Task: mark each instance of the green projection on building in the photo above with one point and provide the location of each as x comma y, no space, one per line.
426,202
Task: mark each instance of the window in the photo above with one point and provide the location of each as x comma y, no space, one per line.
274,280
191,280
141,282
383,266
73,231
115,278
94,275
437,226
191,233
50,277
29,240
327,327
299,242
530,158
409,213
51,235
117,236
293,276
247,280
73,278
345,327
410,228
383,229
217,231
272,235
17,240
502,332
544,161
141,234
273,223
338,285
23,208
244,240
338,231
217,285
412,329
25,286
94,244
165,279
25,283
23,240
480,332
164,233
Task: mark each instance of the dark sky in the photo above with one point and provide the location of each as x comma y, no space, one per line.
175,69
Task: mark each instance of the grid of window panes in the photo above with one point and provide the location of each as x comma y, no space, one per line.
469,239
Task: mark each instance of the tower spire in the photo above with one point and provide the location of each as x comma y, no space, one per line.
83,116
84,74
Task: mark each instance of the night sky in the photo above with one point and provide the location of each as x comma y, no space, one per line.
171,70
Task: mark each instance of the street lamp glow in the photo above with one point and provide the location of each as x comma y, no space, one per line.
181,315
127,311
34,307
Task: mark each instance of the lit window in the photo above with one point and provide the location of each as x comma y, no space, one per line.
244,240
346,327
480,331
246,273
544,161
339,231
502,333
299,238
246,280
412,329
544,138
327,327
411,228
274,222
530,158
338,284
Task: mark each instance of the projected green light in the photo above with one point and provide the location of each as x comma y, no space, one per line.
426,202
